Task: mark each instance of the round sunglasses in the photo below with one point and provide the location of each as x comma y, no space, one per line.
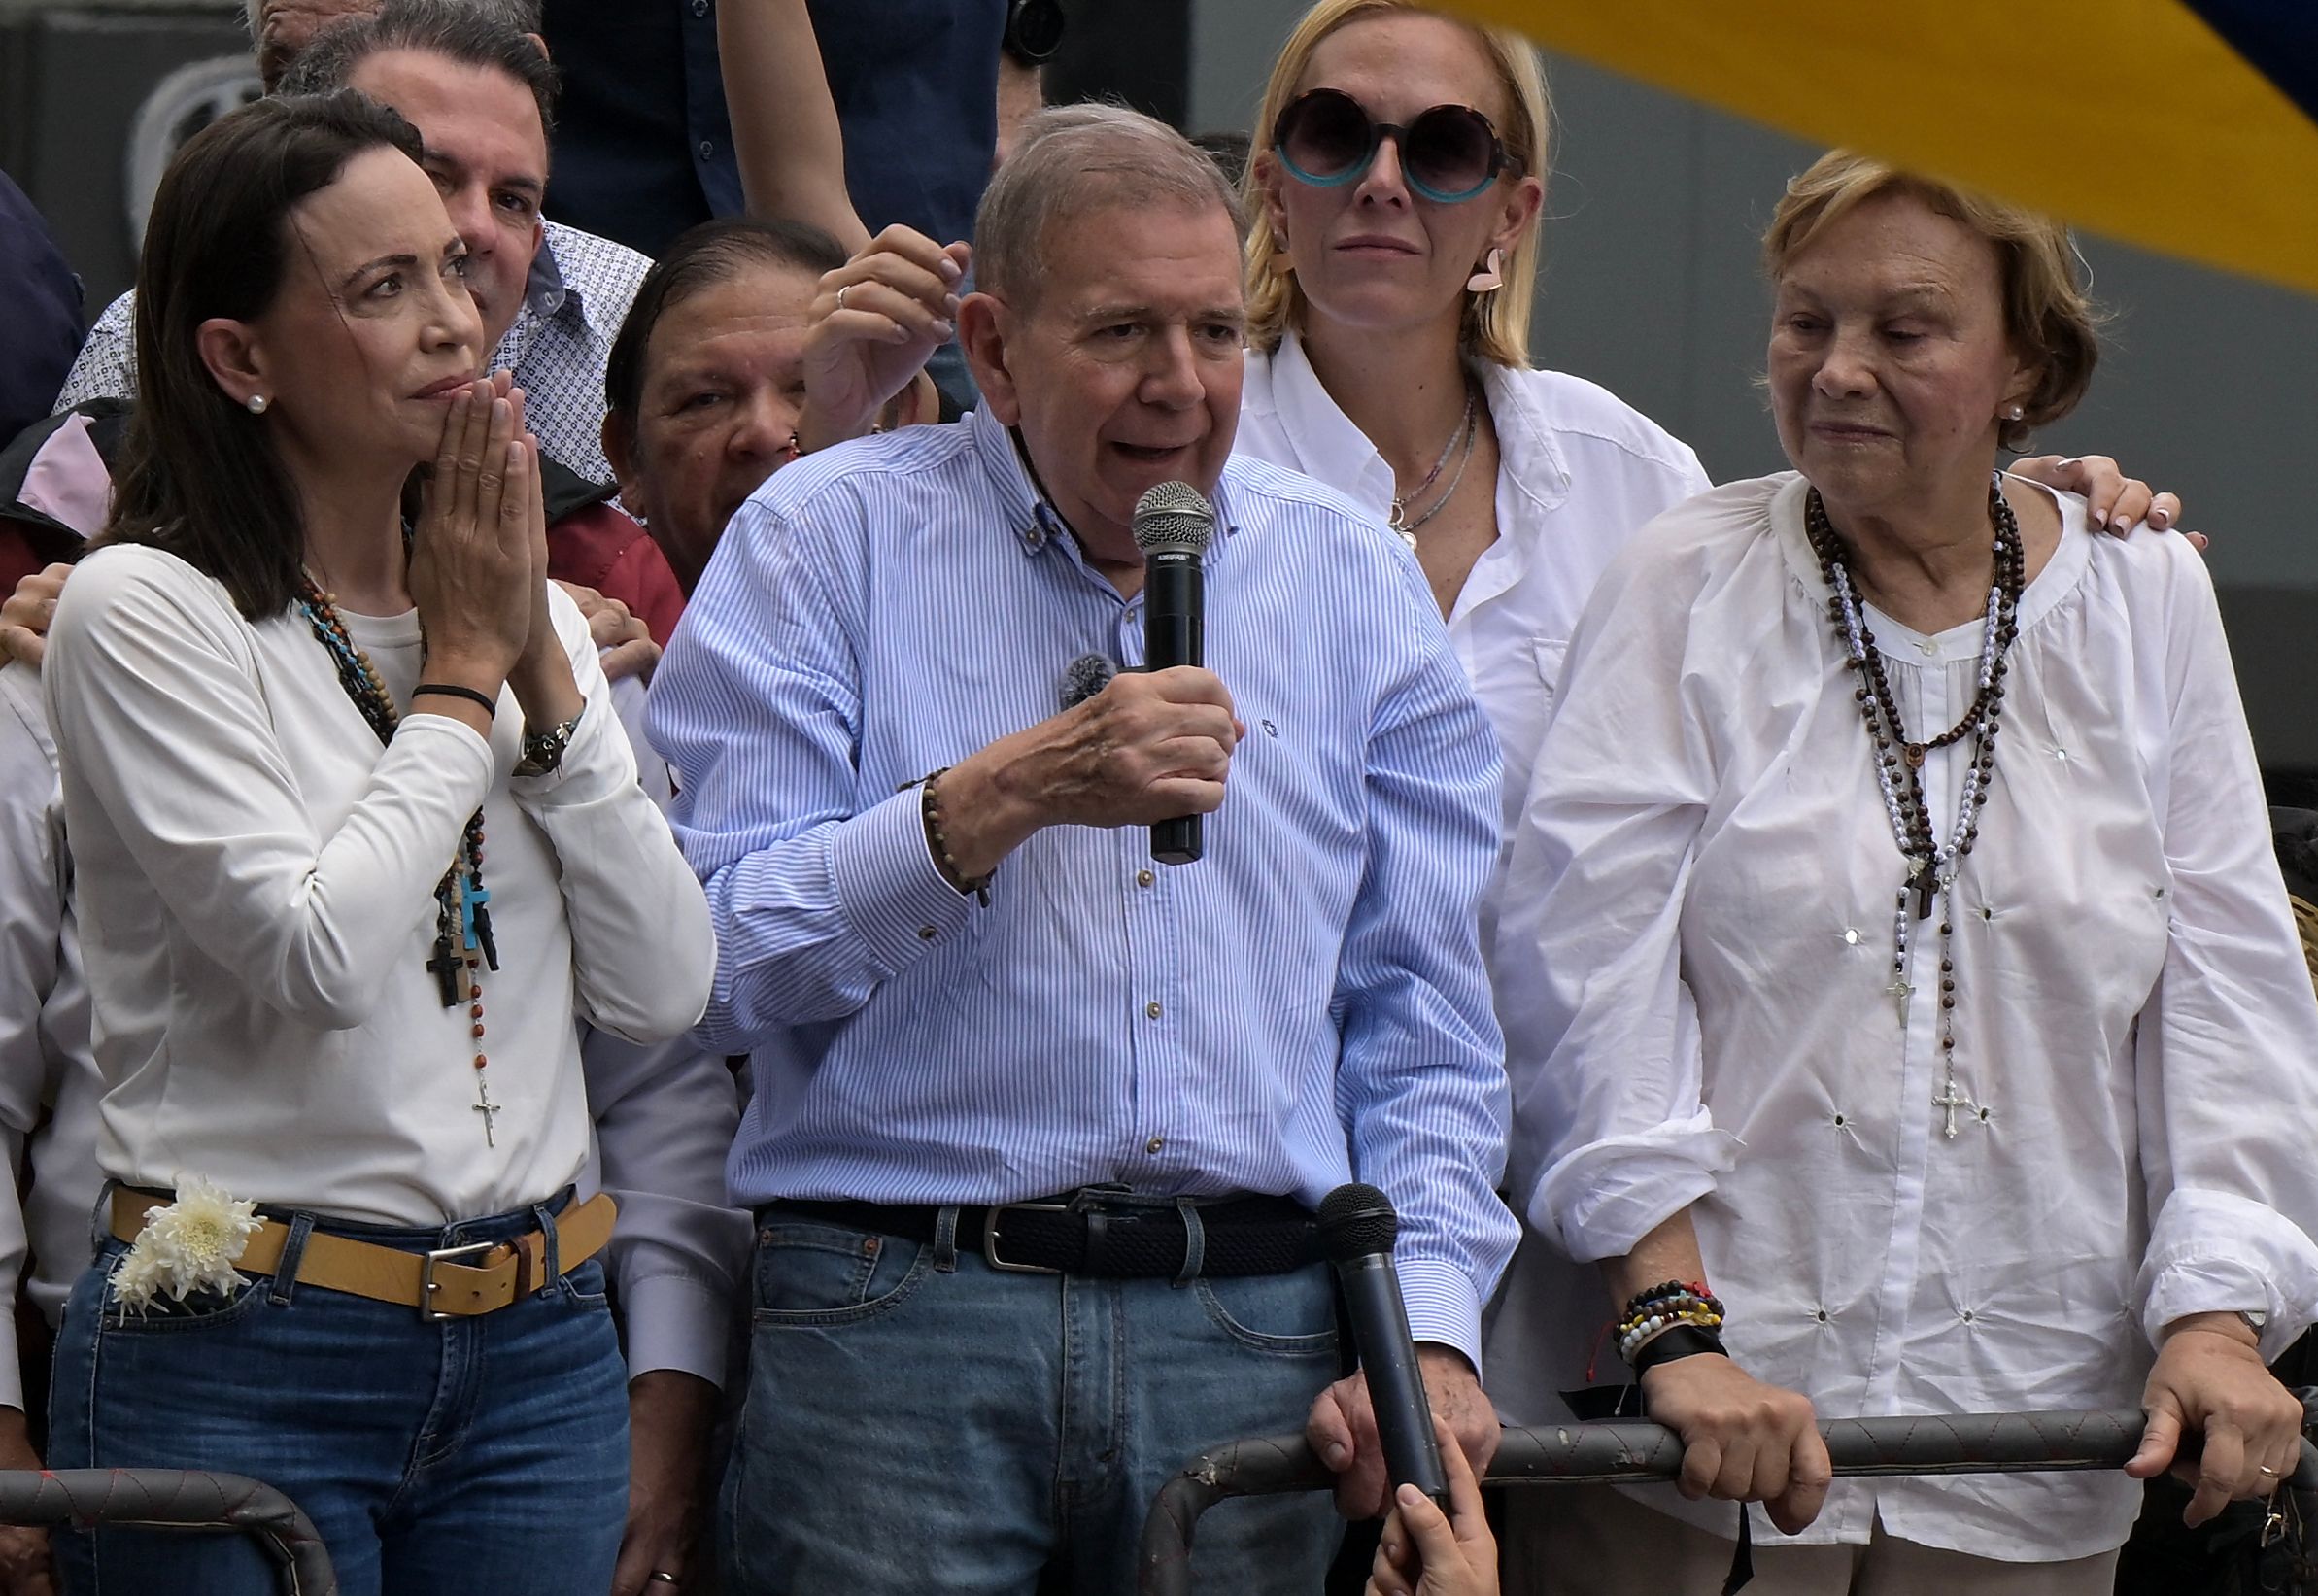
1448,152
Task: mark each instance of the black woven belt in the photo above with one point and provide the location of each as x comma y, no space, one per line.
1088,1233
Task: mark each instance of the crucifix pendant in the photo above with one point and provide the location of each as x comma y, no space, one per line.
1901,992
490,1110
1926,881
1949,1102
448,969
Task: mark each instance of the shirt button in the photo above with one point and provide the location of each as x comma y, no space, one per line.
1151,1010
1154,1144
928,933
707,150
1926,648
699,8
1143,878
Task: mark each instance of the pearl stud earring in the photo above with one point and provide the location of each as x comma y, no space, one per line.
256,403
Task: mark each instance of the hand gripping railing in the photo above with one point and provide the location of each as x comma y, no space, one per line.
174,1499
1632,1449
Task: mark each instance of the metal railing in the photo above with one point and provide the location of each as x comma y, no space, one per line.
1634,1450
174,1499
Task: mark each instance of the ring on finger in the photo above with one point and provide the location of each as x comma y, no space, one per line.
661,1577
841,296
2269,1473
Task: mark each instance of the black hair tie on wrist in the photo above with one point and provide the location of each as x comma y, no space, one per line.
451,690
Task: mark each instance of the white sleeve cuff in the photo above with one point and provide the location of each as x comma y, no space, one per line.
675,1321
1443,1305
2216,1252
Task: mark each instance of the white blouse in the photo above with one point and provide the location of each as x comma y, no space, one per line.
255,891
1578,472
2136,1028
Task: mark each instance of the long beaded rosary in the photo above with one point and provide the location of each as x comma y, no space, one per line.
1931,866
1468,433
463,940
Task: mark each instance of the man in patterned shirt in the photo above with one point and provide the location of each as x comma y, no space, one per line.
482,96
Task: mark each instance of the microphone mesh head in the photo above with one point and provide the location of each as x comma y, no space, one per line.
1086,676
1356,1220
1173,518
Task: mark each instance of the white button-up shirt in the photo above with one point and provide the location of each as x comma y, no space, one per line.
1578,472
2134,1028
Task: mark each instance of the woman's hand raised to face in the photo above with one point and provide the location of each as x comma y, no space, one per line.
472,571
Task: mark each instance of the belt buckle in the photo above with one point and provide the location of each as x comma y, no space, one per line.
990,1236
426,1281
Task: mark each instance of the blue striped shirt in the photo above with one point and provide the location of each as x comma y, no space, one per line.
1305,1006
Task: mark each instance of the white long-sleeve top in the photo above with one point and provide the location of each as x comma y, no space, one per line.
2135,1025
664,1114
256,884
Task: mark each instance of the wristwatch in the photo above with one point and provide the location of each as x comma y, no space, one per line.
1034,30
543,751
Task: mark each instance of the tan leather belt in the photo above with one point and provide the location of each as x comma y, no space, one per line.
447,1283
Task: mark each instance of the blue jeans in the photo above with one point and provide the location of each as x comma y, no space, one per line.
917,1422
485,1455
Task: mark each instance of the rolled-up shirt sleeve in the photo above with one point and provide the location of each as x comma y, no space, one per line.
2225,1051
643,951
815,897
1611,1136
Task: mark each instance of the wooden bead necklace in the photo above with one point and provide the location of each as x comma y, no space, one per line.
463,940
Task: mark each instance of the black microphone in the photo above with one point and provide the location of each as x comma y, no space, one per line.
1357,1227
1174,524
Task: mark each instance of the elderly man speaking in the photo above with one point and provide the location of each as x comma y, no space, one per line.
1038,1122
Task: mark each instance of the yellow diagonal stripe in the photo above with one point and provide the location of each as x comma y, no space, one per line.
2129,118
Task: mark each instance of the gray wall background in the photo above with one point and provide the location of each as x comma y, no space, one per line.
2208,385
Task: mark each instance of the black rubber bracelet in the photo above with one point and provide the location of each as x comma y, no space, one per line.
1683,1341
451,690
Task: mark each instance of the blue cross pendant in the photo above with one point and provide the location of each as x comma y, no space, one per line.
474,918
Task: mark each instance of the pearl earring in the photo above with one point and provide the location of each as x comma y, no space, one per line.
256,403
1490,277
2016,413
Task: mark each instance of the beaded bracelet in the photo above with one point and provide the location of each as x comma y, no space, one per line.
1679,1340
1633,1338
938,844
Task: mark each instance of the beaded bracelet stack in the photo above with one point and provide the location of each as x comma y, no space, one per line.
1647,1331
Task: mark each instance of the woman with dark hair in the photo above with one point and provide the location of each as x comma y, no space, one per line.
340,1252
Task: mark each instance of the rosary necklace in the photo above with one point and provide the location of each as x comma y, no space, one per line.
463,940
1933,865
1468,433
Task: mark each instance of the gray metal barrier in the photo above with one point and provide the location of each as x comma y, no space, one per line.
174,1499
1633,1449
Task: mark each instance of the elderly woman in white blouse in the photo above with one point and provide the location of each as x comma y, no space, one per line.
357,835
1903,1002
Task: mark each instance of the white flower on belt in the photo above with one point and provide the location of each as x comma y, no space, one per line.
187,1245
